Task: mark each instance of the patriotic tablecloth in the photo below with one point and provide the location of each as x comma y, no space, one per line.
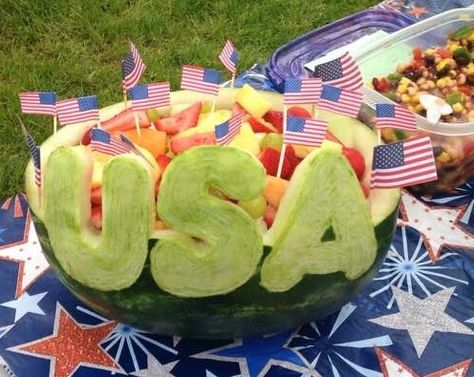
415,319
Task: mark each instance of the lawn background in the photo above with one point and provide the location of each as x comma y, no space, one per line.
75,49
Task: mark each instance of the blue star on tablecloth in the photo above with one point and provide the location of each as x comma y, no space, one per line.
255,355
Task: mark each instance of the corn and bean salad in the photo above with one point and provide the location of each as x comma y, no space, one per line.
446,72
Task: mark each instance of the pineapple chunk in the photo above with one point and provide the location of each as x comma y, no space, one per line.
252,101
246,140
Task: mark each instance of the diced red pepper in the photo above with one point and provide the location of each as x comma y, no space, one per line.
444,53
417,54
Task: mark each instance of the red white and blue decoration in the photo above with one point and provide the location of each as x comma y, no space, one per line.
415,319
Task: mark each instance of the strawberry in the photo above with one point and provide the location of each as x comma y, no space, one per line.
356,160
96,196
180,144
298,111
275,118
269,216
260,125
96,216
181,121
163,161
270,158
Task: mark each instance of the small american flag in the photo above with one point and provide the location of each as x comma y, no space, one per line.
132,68
38,103
403,163
35,153
77,110
342,72
227,131
395,116
341,101
298,91
151,95
305,131
199,79
229,56
102,141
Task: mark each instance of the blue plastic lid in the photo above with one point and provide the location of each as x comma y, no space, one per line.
289,60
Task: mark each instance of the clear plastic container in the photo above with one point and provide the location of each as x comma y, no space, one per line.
453,142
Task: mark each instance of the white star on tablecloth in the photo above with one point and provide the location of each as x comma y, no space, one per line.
439,226
421,318
25,304
392,367
155,369
30,257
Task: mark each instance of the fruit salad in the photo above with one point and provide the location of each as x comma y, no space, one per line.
192,125
444,71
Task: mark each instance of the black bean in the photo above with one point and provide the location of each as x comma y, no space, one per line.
437,151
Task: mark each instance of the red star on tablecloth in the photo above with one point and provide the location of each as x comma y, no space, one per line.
30,257
417,11
72,345
439,226
17,210
392,367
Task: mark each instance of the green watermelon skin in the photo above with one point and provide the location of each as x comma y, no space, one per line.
247,311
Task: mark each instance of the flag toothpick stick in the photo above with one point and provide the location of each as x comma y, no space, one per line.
125,99
283,146
55,124
379,136
232,81
137,124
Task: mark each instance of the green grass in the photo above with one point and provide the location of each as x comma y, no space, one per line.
75,48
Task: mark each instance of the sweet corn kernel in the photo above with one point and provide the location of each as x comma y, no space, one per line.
411,108
419,108
441,65
405,98
457,107
453,47
443,157
402,89
405,81
440,83
416,98
470,70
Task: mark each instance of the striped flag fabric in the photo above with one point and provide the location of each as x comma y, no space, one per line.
342,72
35,153
132,68
305,131
102,141
43,103
144,97
229,56
403,163
227,131
340,101
198,79
300,91
80,109
395,116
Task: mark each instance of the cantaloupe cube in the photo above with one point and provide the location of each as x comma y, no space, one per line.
274,189
252,101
